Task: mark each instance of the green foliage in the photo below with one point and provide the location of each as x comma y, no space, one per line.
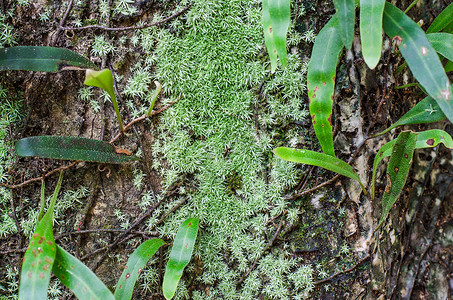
104,80
346,20
442,20
40,256
72,148
276,18
43,59
442,43
397,170
321,82
371,30
180,255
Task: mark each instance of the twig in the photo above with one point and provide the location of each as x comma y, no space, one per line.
314,188
126,28
63,20
15,186
99,230
343,272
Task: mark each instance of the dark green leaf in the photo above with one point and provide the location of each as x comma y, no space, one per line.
442,43
180,255
104,79
135,265
425,139
276,18
346,18
43,59
426,111
72,148
442,20
78,278
40,256
371,30
420,56
449,66
321,82
322,160
397,170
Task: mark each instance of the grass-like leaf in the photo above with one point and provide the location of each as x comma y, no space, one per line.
346,19
425,139
78,278
321,82
180,255
40,256
442,20
426,111
397,170
443,43
104,79
371,30
420,56
135,265
322,160
43,59
72,148
276,18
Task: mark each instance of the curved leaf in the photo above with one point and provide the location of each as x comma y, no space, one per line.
43,59
276,18
426,111
40,256
442,43
371,30
346,17
322,160
397,170
425,139
104,79
442,20
420,56
449,66
180,255
72,148
321,82
135,265
78,278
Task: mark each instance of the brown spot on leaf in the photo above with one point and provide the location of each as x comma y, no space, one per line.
316,89
49,243
324,83
388,186
46,268
424,51
430,142
29,274
48,260
139,270
406,156
396,170
190,224
187,246
127,276
41,275
270,29
39,250
34,252
329,119
41,240
120,287
35,235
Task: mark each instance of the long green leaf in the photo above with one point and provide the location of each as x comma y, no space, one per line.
104,79
276,19
449,66
43,59
135,265
442,20
397,170
180,255
346,18
425,139
420,56
426,111
322,160
442,43
321,82
78,278
71,148
40,256
371,30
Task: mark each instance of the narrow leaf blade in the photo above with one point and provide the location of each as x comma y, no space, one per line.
443,43
346,16
397,170
180,255
321,82
40,256
371,30
269,36
420,56
43,59
78,278
442,20
135,265
322,160
71,148
280,14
